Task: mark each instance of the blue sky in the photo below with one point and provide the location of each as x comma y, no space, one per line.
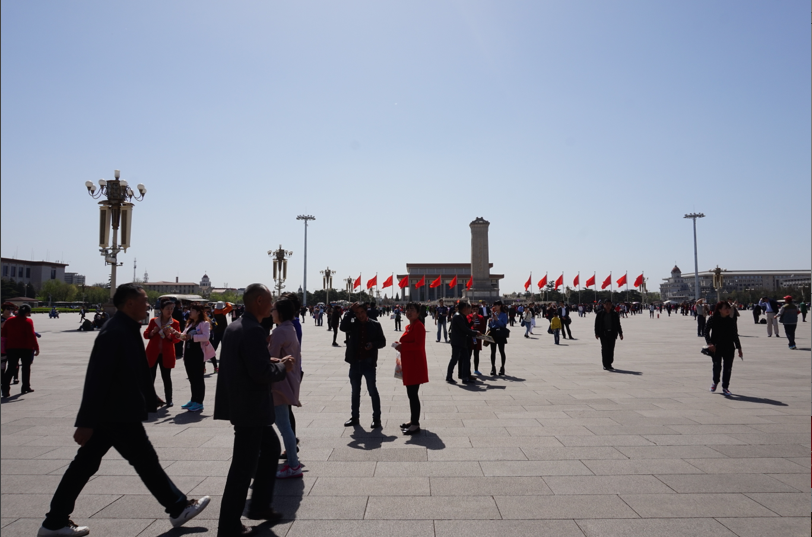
583,131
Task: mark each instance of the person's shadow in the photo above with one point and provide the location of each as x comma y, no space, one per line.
748,399
184,418
426,439
626,372
362,439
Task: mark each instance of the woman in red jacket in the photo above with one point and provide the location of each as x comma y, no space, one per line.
163,332
21,340
412,348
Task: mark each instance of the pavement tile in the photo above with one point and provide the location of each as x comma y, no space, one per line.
676,527
371,486
784,504
779,450
118,527
321,507
669,452
432,508
488,486
606,484
390,454
605,440
693,439
534,468
566,507
477,454
797,481
564,453
694,505
360,528
760,527
747,466
36,505
30,466
514,441
641,466
283,487
722,483
428,469
503,528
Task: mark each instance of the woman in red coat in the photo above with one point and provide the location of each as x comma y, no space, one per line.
412,348
163,332
21,346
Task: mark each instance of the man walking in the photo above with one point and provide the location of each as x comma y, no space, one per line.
117,396
461,335
564,313
756,312
770,307
440,319
607,329
244,397
364,338
701,316
335,320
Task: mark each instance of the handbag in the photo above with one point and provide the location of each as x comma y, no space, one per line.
550,331
398,368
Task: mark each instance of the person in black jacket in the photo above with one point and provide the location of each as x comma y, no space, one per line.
244,397
461,334
117,396
607,329
335,320
722,336
364,338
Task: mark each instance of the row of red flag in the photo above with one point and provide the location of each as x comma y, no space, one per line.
404,282
589,282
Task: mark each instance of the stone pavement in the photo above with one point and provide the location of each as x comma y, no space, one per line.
558,447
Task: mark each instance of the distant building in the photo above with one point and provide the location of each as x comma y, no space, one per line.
205,285
74,278
447,272
176,287
681,287
239,291
35,273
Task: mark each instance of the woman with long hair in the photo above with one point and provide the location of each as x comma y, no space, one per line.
722,336
197,348
412,348
163,332
498,330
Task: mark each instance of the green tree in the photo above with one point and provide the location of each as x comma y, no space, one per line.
58,291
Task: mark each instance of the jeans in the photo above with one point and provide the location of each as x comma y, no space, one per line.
700,325
131,441
282,413
772,322
441,325
15,358
365,369
166,377
528,326
608,349
194,370
789,330
256,454
721,355
555,335
414,403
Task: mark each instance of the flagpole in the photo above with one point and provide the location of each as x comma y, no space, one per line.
579,287
627,286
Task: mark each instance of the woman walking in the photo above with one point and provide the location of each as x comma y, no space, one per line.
284,342
527,321
21,346
196,350
498,330
412,349
163,333
722,336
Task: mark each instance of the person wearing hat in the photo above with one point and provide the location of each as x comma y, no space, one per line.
788,316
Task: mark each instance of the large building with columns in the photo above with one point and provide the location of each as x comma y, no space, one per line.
447,271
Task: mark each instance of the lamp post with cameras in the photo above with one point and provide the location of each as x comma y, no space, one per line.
280,267
115,212
694,216
327,278
349,287
307,218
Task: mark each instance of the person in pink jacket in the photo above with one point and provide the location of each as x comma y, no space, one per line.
197,349
283,342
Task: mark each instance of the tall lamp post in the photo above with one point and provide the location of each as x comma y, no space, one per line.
280,267
694,216
327,279
717,282
306,218
349,281
115,212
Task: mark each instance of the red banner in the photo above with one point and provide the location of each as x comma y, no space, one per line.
590,281
576,280
470,282
607,282
542,282
559,281
453,282
436,283
421,283
387,283
621,281
373,282
404,282
357,282
638,281
528,282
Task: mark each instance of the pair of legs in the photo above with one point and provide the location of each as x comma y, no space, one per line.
789,330
528,326
565,327
358,370
397,324
608,350
772,322
14,359
441,325
335,333
723,363
255,455
700,325
194,371
501,347
131,441
283,414
166,377
555,335
414,404
476,359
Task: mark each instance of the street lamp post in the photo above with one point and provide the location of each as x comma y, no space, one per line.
717,282
349,281
306,218
280,267
114,212
328,282
694,216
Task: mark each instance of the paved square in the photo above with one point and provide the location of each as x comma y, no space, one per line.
557,447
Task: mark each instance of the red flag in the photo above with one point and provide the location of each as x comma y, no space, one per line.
621,280
387,283
436,283
421,283
373,282
453,283
638,281
542,282
404,282
607,282
470,282
590,281
559,281
575,281
528,282
357,282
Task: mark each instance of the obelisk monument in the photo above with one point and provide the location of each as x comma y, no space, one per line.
480,263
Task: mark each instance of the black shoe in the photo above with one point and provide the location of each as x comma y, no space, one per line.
609,368
411,432
468,381
15,381
451,381
352,422
26,390
501,371
266,514
376,425
493,372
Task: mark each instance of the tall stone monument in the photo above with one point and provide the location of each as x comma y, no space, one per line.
480,264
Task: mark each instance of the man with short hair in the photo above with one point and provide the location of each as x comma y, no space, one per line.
607,329
364,338
440,319
117,396
461,334
335,320
566,320
770,308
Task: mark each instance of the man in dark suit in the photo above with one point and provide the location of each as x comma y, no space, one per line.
117,396
607,329
364,338
566,320
247,373
461,335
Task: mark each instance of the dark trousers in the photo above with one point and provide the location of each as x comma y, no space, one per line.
501,347
215,341
721,356
17,357
194,370
565,327
608,349
458,356
464,364
256,454
756,315
476,359
700,325
414,403
166,377
789,330
397,324
335,333
131,441
365,369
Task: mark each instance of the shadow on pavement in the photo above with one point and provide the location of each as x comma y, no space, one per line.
177,532
760,400
362,439
624,372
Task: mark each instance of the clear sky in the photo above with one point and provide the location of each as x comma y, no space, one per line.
583,131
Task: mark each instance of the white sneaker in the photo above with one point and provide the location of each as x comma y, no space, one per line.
287,472
193,508
71,530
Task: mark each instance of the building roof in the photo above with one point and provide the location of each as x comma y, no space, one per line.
441,265
675,269
169,283
24,262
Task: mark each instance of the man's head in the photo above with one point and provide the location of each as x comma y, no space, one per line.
257,299
607,305
360,312
131,299
441,302
464,307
